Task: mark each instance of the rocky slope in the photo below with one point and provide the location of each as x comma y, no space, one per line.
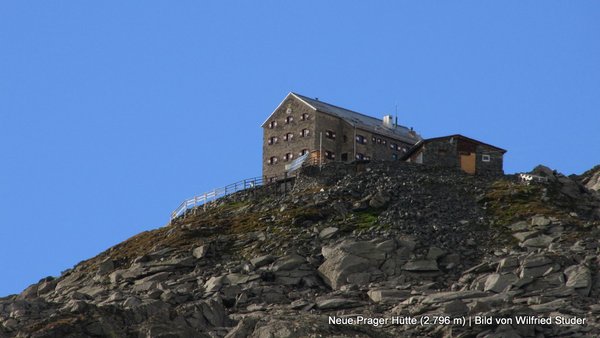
591,178
362,250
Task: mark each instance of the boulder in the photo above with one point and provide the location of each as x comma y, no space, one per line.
105,267
507,264
337,303
570,187
328,232
379,200
336,269
539,220
262,260
580,278
235,279
131,302
243,329
200,252
536,271
388,295
523,236
499,282
387,246
434,253
214,284
421,265
456,308
593,183
288,262
550,306
443,297
519,226
533,261
541,241
364,249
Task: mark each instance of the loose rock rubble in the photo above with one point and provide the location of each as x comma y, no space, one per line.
344,252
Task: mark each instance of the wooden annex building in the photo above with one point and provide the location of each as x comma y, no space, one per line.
472,156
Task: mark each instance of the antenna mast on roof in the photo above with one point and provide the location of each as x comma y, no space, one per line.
396,123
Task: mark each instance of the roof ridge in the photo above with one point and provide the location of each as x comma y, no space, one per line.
333,105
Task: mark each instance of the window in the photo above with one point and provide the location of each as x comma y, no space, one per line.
273,124
273,160
360,156
330,134
288,110
394,146
288,137
373,139
404,149
288,157
378,141
272,140
304,117
384,142
303,151
289,119
345,157
330,155
394,157
305,132
485,158
345,138
361,139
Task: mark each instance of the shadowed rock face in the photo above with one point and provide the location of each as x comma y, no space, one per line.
380,240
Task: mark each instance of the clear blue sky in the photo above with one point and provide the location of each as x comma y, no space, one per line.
112,112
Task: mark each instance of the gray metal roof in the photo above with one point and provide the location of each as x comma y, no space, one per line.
362,121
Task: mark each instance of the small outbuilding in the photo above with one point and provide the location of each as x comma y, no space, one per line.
470,155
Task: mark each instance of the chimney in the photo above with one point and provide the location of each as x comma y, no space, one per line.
388,121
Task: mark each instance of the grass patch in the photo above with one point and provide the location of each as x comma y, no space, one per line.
510,202
366,219
297,216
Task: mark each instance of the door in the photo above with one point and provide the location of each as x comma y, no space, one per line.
467,163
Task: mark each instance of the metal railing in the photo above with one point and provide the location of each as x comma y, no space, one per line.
248,183
215,194
531,178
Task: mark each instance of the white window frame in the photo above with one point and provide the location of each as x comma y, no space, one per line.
486,158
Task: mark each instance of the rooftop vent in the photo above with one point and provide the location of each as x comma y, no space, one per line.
388,121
